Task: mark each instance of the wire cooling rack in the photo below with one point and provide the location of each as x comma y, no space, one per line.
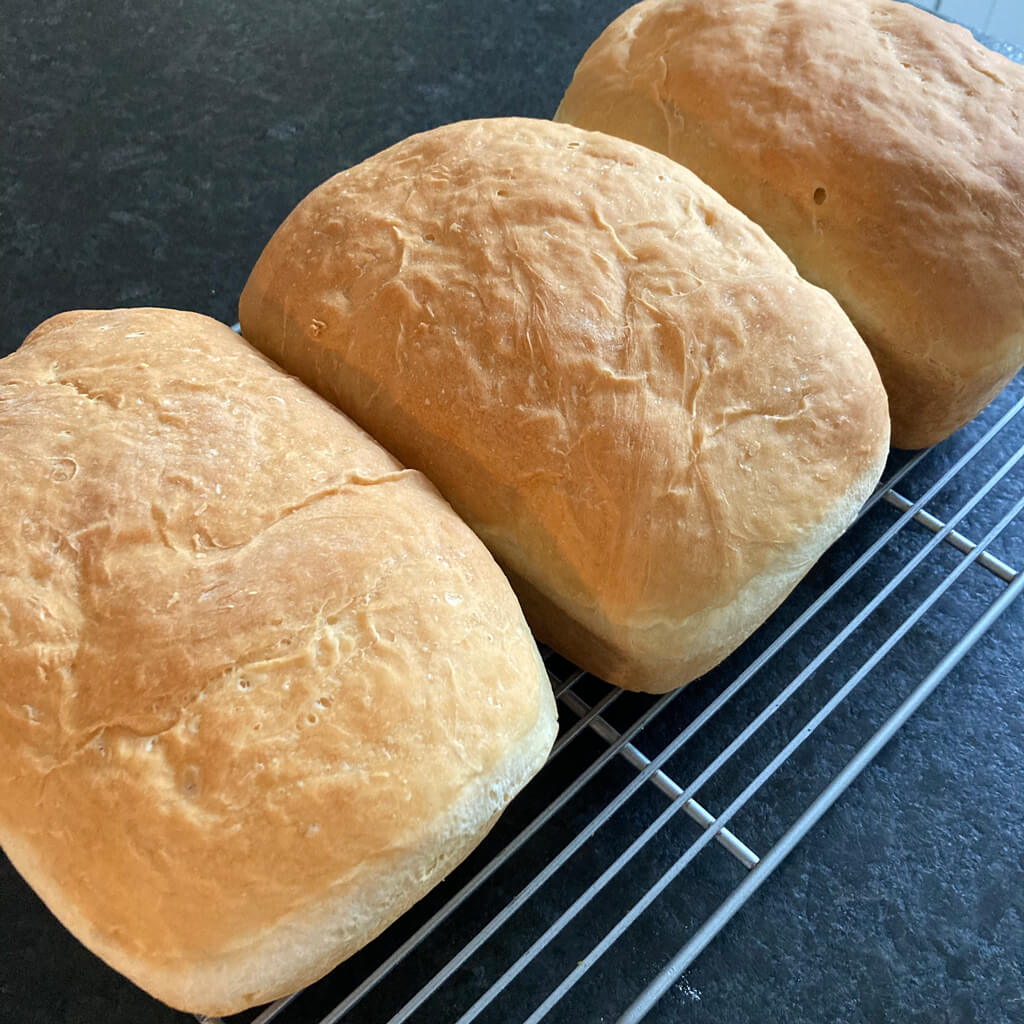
658,816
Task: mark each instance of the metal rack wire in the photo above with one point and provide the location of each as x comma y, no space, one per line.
618,761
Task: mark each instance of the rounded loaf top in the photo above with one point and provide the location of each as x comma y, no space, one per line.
260,688
616,378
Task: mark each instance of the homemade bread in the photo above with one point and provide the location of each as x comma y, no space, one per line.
617,379
880,146
260,688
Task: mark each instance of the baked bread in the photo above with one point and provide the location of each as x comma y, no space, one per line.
880,146
617,379
260,688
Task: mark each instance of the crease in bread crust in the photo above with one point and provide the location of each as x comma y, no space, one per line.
878,145
259,686
615,378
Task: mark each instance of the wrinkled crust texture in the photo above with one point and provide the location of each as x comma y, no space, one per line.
877,144
260,688
618,380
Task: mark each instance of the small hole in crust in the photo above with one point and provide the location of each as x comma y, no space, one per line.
244,684
191,781
575,144
428,238
820,195
501,193
709,218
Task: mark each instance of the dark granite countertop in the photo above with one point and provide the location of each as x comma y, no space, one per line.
150,149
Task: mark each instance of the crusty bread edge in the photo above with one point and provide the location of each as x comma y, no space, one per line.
299,950
654,656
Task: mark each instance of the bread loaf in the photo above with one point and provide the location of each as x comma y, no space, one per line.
260,688
617,379
877,144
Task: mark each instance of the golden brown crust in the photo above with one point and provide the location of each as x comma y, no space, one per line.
616,379
259,687
877,144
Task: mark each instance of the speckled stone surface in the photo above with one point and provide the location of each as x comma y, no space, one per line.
149,150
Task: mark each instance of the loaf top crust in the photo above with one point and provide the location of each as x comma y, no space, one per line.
616,378
258,684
